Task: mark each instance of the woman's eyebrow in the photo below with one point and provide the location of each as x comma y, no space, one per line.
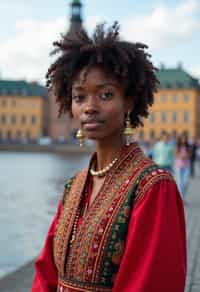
98,86
104,84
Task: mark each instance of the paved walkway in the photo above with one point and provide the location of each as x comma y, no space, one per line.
192,210
20,281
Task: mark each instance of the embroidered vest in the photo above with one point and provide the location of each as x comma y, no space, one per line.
93,260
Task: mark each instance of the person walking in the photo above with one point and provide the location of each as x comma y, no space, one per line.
193,156
163,152
182,164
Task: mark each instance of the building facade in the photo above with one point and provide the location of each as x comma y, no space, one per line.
23,114
176,108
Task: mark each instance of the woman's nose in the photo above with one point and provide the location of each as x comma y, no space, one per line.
91,105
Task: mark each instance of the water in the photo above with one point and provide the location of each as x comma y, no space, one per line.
30,187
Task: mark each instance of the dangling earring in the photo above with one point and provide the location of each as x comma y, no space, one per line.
80,135
128,130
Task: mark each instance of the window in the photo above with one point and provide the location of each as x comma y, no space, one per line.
3,119
186,98
185,133
9,135
33,120
28,135
152,117
174,134
175,98
186,117
152,134
163,98
163,117
19,133
174,117
19,136
162,132
4,102
23,119
13,119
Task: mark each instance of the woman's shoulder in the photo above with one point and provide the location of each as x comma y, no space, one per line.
151,176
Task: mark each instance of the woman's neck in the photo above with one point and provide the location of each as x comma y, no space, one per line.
107,151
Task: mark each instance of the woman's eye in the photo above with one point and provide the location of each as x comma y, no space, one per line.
106,95
78,98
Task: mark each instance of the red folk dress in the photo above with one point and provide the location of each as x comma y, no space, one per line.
152,258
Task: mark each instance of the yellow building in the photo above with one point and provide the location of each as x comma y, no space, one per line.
176,108
21,111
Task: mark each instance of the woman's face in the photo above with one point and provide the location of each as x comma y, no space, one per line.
98,103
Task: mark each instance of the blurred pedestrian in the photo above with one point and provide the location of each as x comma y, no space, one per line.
198,154
193,150
182,164
163,152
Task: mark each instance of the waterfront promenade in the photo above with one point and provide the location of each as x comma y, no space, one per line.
20,281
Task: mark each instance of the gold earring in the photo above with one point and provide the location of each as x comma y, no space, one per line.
80,135
128,130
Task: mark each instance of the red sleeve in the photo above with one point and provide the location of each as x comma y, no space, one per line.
155,254
45,279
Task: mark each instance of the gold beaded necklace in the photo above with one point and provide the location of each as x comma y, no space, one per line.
104,170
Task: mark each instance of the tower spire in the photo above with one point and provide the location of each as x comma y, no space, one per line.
76,17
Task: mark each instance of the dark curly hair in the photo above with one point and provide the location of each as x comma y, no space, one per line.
127,62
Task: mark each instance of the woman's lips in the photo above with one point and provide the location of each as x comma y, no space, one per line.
93,125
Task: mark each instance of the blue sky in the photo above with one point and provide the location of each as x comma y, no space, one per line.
171,28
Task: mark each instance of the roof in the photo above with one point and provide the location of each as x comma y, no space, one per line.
176,78
22,88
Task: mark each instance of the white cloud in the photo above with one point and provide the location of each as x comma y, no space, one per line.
195,71
27,54
164,26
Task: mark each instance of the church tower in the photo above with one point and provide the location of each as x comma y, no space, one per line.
61,128
76,17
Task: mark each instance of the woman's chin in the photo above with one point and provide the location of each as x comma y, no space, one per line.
96,136
93,137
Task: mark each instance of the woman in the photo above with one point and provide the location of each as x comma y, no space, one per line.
120,224
182,164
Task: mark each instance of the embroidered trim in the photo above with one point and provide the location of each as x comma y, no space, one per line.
86,288
65,224
150,177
